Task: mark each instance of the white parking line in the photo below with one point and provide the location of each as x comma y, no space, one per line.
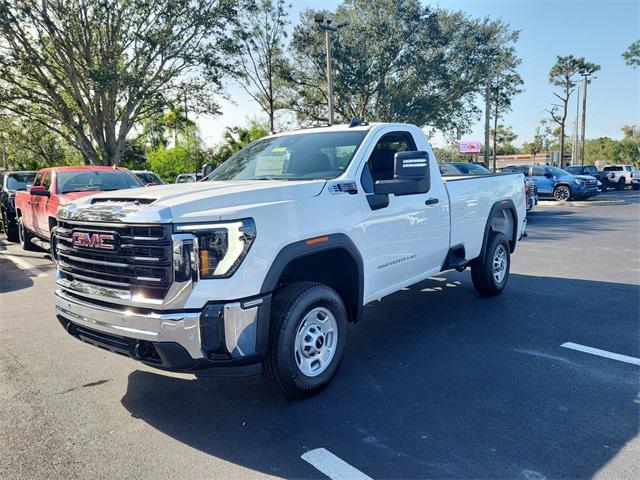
332,466
602,353
24,265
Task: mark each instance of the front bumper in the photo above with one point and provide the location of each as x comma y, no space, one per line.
222,335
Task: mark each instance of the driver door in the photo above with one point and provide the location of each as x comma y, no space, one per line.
544,183
407,239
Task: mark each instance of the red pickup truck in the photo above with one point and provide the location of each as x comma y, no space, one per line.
37,208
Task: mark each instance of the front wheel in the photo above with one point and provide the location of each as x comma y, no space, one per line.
11,233
635,186
307,338
491,273
25,237
562,193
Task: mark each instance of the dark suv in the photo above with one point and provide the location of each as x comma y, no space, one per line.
10,182
603,177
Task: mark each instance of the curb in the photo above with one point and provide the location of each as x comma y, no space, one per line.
581,203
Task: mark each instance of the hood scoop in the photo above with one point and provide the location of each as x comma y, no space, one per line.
121,201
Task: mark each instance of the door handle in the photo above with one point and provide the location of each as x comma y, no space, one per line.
431,201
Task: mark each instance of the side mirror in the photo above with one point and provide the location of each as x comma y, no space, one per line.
410,175
207,168
39,191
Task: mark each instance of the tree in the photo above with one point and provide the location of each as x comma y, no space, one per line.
504,84
562,75
29,146
501,61
503,137
394,61
90,70
261,36
632,55
235,138
631,131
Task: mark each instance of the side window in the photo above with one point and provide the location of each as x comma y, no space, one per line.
46,182
38,179
591,170
538,172
523,170
380,163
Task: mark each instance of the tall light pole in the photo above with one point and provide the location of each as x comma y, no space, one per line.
575,153
325,22
585,82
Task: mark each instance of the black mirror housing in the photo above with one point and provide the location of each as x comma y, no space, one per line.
207,168
411,175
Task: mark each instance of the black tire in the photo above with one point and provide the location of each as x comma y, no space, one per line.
290,306
25,236
562,193
621,183
635,186
482,269
11,233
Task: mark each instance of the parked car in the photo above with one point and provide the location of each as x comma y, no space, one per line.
462,168
635,180
188,177
620,175
147,177
263,270
557,183
37,208
602,177
10,183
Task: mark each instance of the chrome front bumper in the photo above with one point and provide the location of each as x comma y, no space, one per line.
193,332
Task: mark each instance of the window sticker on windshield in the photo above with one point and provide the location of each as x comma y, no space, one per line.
266,166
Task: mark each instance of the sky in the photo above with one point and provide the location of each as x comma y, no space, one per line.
598,30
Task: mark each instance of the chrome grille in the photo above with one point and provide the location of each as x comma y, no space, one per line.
141,261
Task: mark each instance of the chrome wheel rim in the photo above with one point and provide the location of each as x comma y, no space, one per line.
499,263
562,194
316,342
21,233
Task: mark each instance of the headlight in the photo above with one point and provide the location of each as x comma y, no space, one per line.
579,181
222,246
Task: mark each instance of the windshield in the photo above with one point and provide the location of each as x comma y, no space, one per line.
612,169
19,181
472,169
307,156
95,180
574,170
148,177
558,172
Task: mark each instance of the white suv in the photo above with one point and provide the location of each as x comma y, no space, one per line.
620,175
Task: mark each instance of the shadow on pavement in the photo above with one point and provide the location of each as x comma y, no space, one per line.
12,278
436,382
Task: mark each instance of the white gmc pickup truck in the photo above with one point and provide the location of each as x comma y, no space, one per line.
259,267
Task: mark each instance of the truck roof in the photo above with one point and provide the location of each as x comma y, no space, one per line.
340,128
84,167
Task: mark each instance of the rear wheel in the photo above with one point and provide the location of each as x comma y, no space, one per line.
307,338
25,237
562,193
491,273
635,186
621,183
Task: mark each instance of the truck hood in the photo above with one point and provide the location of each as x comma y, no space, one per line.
188,202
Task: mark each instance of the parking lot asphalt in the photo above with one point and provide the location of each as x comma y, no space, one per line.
436,382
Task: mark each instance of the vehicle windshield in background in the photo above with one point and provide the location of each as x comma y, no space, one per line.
148,177
612,169
558,172
95,180
312,156
19,181
574,170
463,169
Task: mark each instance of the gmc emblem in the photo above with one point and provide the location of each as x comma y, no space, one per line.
104,241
